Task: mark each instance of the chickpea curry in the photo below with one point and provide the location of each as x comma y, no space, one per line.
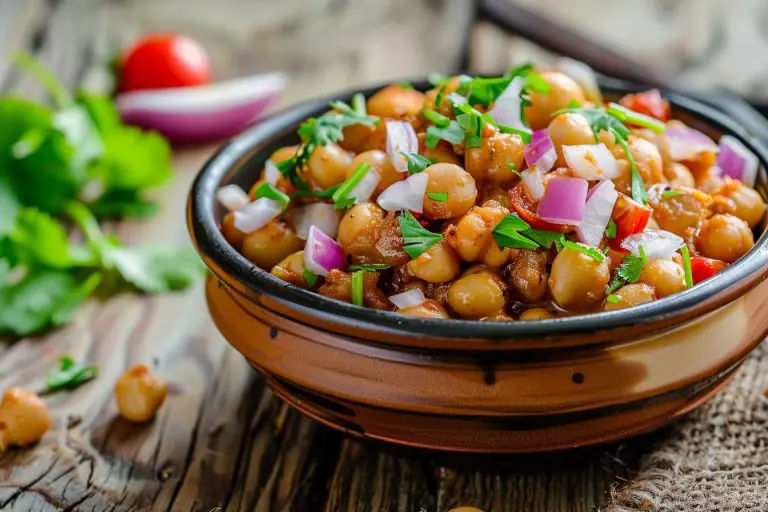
520,197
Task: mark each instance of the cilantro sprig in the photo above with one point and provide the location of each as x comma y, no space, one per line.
416,238
69,375
514,233
439,197
629,271
589,251
416,162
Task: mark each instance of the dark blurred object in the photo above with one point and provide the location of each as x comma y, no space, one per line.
562,40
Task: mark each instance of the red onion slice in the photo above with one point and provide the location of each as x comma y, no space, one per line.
408,299
736,161
597,213
324,216
563,201
508,109
685,143
257,214
583,75
322,254
232,197
401,138
592,161
364,189
271,172
656,243
541,151
202,113
533,182
405,195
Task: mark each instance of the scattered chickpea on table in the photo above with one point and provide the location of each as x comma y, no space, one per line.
139,393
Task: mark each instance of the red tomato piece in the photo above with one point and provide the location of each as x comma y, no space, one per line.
649,103
704,268
164,61
526,209
630,219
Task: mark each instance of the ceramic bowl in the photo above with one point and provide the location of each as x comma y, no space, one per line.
477,386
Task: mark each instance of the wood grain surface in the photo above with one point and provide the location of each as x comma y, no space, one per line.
222,441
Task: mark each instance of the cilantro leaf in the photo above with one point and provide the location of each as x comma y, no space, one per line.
629,271
440,197
546,239
416,162
269,191
452,133
40,239
416,238
589,251
614,299
119,203
610,230
309,277
507,233
69,375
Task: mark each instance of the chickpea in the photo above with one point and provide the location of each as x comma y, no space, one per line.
536,314
710,181
493,256
682,213
490,161
527,275
562,91
24,418
328,165
395,102
438,264
427,309
473,233
665,276
647,160
725,237
291,269
569,129
360,138
139,394
477,295
270,244
389,246
577,281
381,165
445,107
630,295
493,191
678,175
338,285
741,201
454,181
233,235
360,228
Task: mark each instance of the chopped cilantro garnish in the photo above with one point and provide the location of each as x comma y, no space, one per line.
416,162
358,104
371,267
630,116
341,196
437,118
687,266
69,375
507,233
416,238
322,194
615,299
357,287
440,197
589,251
452,133
269,191
670,193
309,277
546,238
629,271
610,230
485,91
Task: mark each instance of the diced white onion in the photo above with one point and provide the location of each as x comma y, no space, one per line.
408,299
364,189
271,172
401,138
322,215
508,108
405,195
257,214
597,213
232,197
592,161
533,182
656,243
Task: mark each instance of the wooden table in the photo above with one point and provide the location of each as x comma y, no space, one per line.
222,441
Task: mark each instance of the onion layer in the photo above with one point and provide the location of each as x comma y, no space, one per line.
563,201
257,214
686,143
232,197
736,161
597,213
508,109
322,215
541,151
592,161
322,254
401,138
408,299
534,183
656,243
405,195
271,172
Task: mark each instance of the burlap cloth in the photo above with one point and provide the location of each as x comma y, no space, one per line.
716,459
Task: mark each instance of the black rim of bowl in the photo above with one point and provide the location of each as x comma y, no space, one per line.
239,153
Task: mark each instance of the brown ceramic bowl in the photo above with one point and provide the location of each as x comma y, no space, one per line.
477,386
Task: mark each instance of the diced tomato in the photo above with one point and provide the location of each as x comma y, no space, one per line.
649,103
630,218
526,209
162,61
704,268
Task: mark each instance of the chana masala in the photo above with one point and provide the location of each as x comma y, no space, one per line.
520,197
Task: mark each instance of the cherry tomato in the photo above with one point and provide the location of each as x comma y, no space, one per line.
649,103
526,209
704,268
163,61
630,218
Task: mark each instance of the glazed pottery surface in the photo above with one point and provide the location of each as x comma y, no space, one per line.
477,386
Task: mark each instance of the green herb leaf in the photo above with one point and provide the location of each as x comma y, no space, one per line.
452,133
322,194
610,230
440,197
341,197
69,375
416,238
629,271
358,104
271,192
546,239
372,267
615,299
687,266
39,239
437,118
357,287
667,194
630,116
416,162
589,251
309,277
507,233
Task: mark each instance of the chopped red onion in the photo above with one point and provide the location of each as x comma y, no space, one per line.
533,182
408,299
583,75
597,213
563,201
736,161
401,138
257,214
685,143
322,215
656,243
405,195
592,161
508,108
271,172
541,152
364,189
232,197
322,254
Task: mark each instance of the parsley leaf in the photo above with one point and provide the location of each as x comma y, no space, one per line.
416,162
507,233
440,197
629,271
371,267
69,375
610,230
416,238
357,287
589,251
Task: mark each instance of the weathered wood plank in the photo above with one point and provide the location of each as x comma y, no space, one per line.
20,22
